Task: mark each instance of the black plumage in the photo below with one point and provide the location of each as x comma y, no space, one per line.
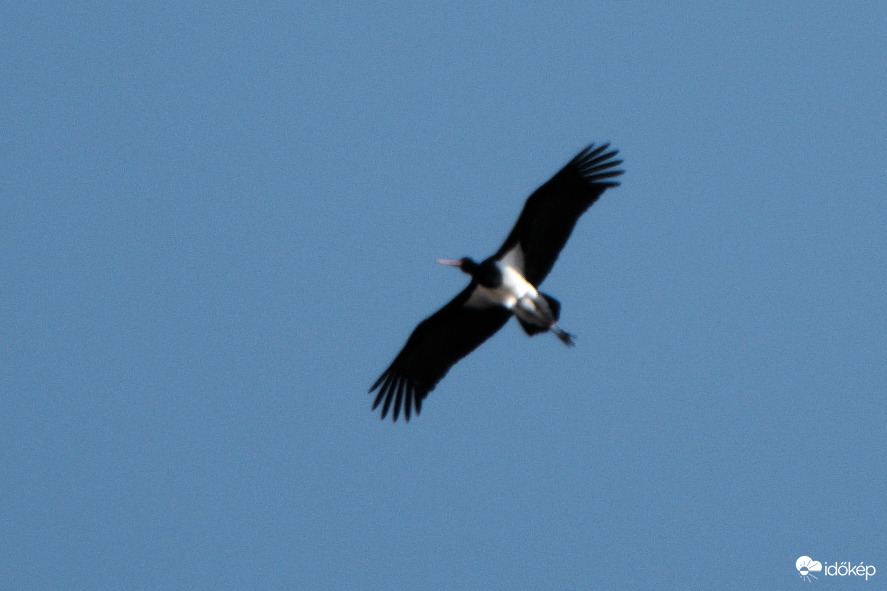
531,249
551,212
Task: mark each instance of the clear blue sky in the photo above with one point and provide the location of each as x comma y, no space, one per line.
219,224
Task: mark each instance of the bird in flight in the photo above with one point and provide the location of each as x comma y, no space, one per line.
502,286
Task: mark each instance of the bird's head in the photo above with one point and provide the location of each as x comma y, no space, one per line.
486,273
465,264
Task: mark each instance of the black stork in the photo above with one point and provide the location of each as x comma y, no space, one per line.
502,286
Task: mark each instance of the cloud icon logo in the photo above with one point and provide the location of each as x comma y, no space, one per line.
806,566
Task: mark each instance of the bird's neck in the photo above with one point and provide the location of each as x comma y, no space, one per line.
488,274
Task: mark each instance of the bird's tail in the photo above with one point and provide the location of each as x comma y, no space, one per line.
565,337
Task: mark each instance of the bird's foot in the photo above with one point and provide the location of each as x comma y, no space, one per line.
564,336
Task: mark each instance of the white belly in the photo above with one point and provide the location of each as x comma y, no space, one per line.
514,288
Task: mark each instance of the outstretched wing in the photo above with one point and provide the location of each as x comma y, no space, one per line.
551,212
436,344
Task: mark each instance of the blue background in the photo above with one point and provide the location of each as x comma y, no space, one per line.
219,223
